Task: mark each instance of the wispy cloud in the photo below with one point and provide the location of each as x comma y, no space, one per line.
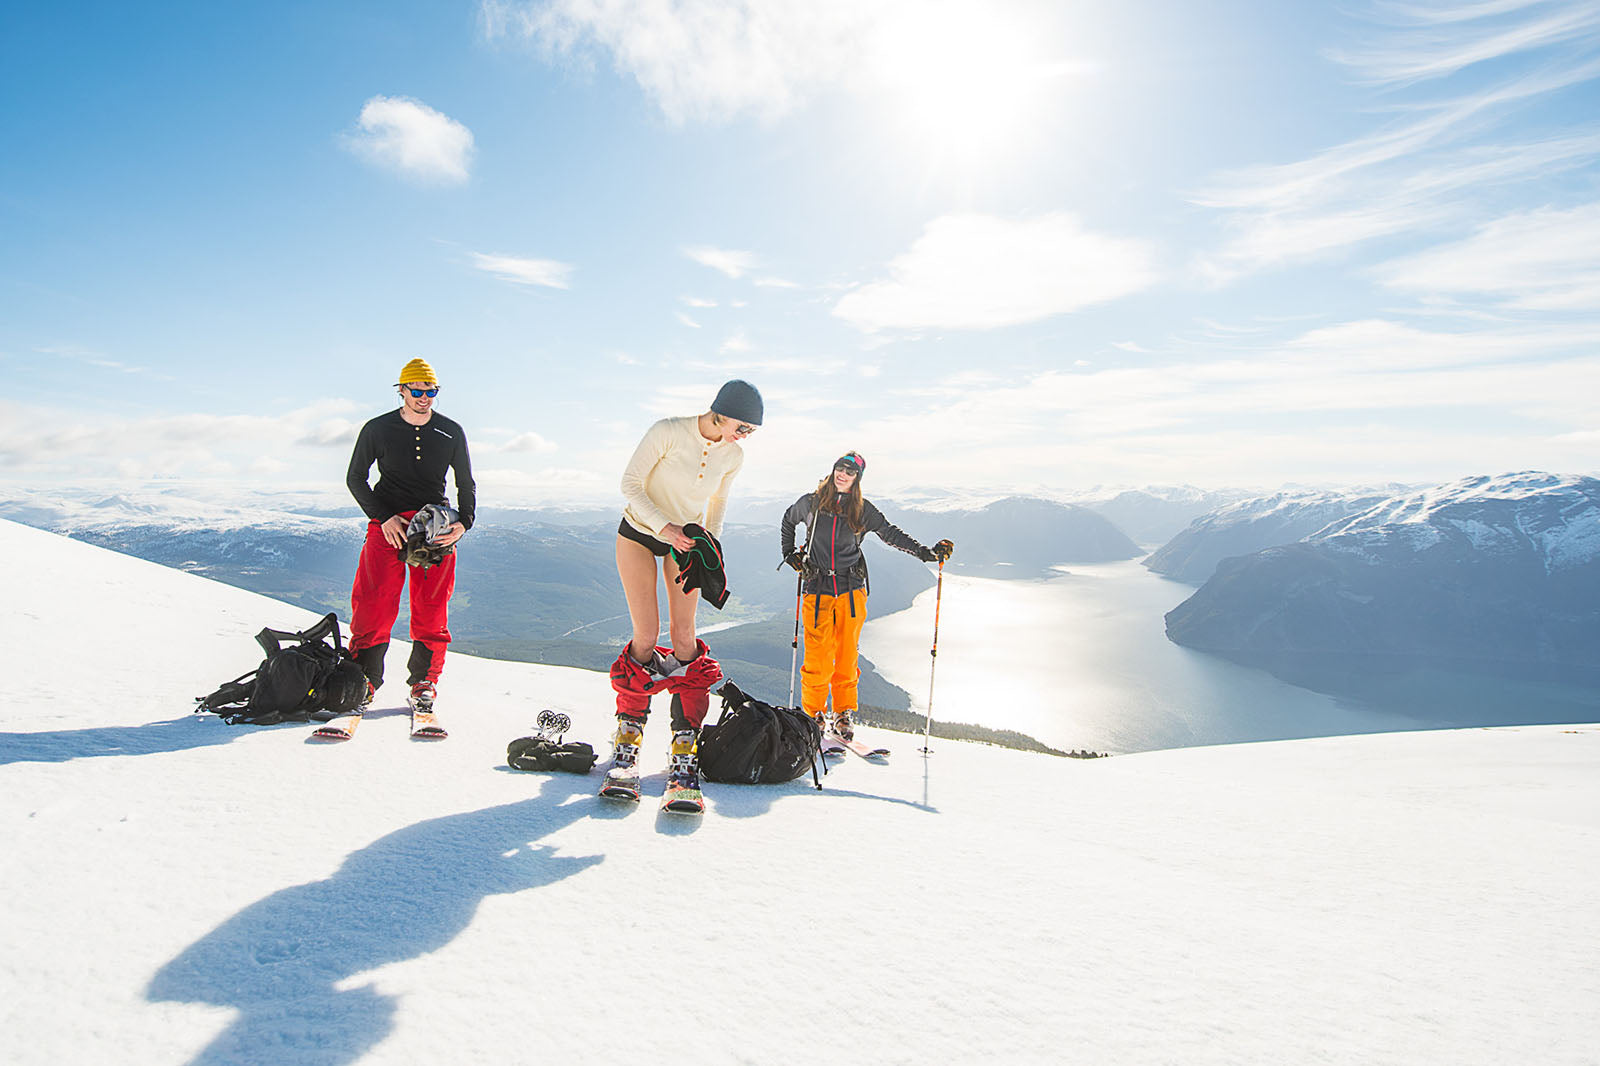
701,59
697,301
1433,166
1434,46
37,440
735,344
970,271
547,273
412,138
735,264
1545,260
686,320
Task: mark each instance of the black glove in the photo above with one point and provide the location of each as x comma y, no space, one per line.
796,559
537,753
927,555
944,549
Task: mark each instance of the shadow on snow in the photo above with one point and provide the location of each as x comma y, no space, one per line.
280,962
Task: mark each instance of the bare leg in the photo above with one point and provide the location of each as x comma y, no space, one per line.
636,566
680,613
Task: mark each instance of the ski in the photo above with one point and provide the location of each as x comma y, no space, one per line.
832,745
425,725
678,799
866,751
340,728
620,784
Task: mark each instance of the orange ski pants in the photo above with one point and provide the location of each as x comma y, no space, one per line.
833,643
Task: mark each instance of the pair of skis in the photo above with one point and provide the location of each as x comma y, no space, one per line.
424,726
623,784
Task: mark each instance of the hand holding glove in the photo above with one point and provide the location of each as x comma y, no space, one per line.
796,559
943,550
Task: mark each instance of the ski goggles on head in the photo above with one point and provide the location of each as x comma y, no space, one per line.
419,393
850,463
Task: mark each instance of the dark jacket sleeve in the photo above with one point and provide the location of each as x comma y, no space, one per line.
799,512
890,533
361,460
466,488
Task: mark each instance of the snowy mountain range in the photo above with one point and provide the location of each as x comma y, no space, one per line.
183,891
1250,525
1487,574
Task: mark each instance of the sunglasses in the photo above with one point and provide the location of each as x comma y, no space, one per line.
846,468
743,430
418,393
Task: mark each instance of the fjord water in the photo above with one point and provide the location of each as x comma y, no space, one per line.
1081,661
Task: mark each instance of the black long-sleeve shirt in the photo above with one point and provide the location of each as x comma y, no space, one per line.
834,549
412,461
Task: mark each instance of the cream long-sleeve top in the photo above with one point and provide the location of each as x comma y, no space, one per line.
676,476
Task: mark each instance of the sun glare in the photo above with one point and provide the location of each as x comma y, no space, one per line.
965,79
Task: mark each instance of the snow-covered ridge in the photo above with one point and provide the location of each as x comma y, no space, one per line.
1554,516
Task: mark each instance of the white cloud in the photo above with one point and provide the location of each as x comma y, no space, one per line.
735,343
1424,52
37,440
527,442
409,136
1546,259
970,271
775,283
696,301
702,59
686,320
735,264
548,273
1434,166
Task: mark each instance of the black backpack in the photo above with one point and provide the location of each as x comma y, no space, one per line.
754,742
304,673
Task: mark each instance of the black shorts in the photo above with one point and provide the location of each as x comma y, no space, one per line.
657,548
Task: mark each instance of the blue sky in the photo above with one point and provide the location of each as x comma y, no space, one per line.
993,246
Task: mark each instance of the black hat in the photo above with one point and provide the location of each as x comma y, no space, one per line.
739,401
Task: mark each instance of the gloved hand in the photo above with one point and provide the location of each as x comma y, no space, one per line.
926,555
796,559
944,549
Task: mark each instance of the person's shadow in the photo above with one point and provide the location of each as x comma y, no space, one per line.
151,738
280,961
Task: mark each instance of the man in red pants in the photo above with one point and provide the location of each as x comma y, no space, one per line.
413,447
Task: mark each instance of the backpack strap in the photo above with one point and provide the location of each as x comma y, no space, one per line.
272,640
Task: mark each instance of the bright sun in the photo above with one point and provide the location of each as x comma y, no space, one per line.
965,79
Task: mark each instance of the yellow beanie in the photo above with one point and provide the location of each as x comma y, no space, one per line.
419,371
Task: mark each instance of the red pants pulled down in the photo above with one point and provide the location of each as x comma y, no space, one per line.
375,604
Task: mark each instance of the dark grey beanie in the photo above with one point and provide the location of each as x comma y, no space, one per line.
739,401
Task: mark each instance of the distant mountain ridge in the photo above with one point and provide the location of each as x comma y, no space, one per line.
1497,574
1251,525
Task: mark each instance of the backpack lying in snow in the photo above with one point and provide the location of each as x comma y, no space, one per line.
304,673
754,742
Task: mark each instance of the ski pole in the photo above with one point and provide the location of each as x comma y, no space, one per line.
938,597
794,643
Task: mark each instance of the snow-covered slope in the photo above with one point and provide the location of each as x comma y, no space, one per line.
182,891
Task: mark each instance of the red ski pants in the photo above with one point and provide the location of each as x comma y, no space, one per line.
375,602
833,644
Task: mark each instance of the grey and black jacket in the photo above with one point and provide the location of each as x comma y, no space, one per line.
835,565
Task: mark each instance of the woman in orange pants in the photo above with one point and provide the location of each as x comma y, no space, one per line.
837,518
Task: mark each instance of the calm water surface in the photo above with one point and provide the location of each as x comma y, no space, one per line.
1082,661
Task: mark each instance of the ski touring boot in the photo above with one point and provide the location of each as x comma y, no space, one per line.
424,723
622,778
682,794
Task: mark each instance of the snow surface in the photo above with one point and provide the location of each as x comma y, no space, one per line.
182,891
